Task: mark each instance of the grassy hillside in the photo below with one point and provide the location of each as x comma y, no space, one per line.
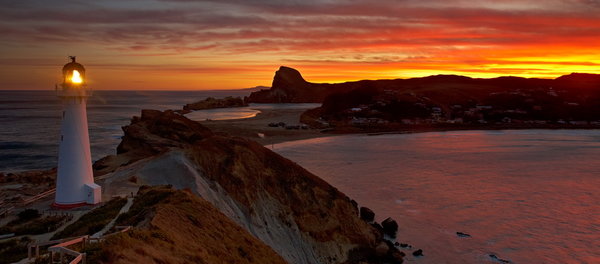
178,227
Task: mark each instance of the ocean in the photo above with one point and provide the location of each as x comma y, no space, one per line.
30,122
524,196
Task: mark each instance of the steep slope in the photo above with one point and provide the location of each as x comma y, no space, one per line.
167,221
304,219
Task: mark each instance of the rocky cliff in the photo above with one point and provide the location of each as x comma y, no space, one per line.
301,217
288,87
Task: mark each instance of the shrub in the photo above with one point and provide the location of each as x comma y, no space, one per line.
28,214
13,250
30,223
94,220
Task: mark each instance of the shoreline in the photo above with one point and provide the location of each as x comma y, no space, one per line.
251,127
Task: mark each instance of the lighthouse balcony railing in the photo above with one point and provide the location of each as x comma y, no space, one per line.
81,91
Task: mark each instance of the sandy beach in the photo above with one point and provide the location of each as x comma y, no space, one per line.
251,127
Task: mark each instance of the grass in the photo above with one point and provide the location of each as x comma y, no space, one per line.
94,220
104,252
143,202
13,250
30,222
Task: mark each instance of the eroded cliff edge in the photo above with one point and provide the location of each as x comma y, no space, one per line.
301,217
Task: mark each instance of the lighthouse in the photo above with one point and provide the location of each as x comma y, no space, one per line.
75,180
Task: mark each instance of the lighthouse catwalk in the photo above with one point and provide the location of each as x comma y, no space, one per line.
75,181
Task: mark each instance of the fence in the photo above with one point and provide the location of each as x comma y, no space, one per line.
60,246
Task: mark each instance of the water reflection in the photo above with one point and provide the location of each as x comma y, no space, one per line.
526,196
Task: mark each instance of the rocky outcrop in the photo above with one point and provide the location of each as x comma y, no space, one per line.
301,217
390,227
288,87
156,132
211,103
367,214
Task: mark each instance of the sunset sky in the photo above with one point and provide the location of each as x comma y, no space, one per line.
227,44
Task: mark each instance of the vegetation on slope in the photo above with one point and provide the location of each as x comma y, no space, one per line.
179,227
13,250
31,222
94,220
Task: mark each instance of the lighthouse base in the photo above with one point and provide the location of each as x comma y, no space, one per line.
92,195
68,206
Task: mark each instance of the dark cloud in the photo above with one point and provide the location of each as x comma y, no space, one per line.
433,33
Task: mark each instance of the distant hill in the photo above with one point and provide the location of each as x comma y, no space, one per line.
290,87
382,104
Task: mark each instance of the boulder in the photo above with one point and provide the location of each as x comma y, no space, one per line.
367,214
390,227
418,253
378,227
397,257
382,249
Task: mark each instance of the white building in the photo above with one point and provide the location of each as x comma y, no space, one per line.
75,180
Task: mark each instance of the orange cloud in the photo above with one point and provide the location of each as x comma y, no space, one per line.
182,44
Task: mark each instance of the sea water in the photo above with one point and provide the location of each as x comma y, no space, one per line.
30,122
526,196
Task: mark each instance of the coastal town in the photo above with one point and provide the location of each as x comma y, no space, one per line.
537,107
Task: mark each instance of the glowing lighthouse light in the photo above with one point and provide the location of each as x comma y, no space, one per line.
75,180
76,77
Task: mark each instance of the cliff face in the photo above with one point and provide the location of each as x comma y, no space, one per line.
301,217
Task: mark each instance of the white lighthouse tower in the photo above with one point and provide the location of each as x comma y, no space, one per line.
75,180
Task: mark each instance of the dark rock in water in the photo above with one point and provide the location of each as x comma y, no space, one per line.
367,214
461,234
496,258
404,245
418,253
378,227
390,227
396,244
